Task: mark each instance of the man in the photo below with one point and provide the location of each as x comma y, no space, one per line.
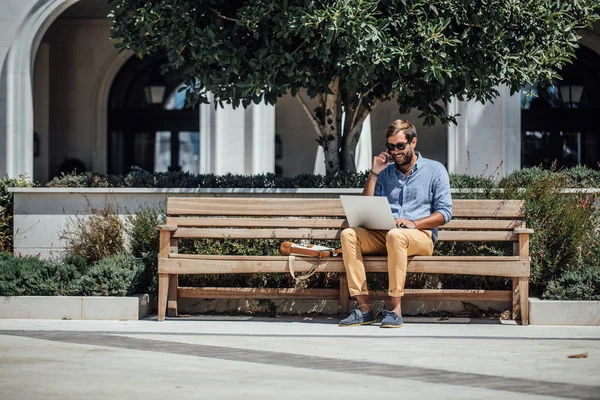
418,190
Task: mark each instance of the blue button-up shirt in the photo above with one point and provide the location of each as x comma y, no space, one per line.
425,191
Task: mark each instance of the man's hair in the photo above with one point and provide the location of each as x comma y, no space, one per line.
401,125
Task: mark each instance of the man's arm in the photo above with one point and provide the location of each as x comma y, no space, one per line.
369,189
380,162
442,206
431,221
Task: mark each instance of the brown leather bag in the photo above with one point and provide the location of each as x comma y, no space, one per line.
309,250
321,253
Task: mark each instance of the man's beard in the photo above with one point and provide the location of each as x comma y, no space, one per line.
407,160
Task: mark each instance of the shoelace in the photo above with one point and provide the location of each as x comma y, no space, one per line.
392,313
357,314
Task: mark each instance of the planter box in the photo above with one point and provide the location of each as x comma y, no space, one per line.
564,312
75,307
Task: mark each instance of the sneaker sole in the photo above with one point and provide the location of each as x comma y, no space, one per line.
392,326
359,324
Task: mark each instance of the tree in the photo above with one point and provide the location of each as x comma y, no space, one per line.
351,55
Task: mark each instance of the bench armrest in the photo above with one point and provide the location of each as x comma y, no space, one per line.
170,228
523,230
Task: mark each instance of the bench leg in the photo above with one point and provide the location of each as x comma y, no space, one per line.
172,296
344,303
163,290
520,300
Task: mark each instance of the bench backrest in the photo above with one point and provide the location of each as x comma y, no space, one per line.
246,218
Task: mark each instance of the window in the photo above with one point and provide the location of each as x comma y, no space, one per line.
559,122
147,122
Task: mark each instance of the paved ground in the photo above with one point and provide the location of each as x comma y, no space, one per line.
294,358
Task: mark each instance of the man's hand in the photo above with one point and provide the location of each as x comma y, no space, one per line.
405,223
380,162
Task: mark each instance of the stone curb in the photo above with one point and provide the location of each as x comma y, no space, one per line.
541,312
75,307
564,312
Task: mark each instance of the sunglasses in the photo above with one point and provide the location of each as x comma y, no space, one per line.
399,146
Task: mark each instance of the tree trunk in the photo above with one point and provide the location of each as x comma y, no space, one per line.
330,131
349,143
338,142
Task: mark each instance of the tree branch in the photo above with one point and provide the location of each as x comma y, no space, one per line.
223,16
320,100
358,111
350,113
366,112
312,118
360,106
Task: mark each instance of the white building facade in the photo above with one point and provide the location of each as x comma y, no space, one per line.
69,100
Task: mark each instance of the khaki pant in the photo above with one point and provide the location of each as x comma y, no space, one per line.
398,244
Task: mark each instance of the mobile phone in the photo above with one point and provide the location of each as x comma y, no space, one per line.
388,157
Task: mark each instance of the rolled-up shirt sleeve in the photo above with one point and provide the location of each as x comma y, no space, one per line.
442,199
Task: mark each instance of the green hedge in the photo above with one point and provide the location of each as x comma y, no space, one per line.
117,275
576,177
6,210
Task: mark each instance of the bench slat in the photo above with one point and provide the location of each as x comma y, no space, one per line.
257,293
328,234
336,223
518,268
478,236
321,207
220,233
250,207
366,258
483,224
447,294
487,208
333,294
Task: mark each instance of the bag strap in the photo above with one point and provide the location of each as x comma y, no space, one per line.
313,269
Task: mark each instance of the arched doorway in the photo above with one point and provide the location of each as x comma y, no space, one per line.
148,126
77,70
560,125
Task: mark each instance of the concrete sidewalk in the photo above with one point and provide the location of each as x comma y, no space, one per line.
295,358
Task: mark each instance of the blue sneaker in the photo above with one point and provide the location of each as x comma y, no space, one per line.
391,320
357,318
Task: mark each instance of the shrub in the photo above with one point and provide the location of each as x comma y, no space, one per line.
582,177
566,231
579,176
72,179
117,275
31,276
144,240
463,181
142,232
95,237
6,210
577,284
525,177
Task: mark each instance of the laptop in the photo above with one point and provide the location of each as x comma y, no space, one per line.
370,212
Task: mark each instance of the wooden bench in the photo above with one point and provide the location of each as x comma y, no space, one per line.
296,219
